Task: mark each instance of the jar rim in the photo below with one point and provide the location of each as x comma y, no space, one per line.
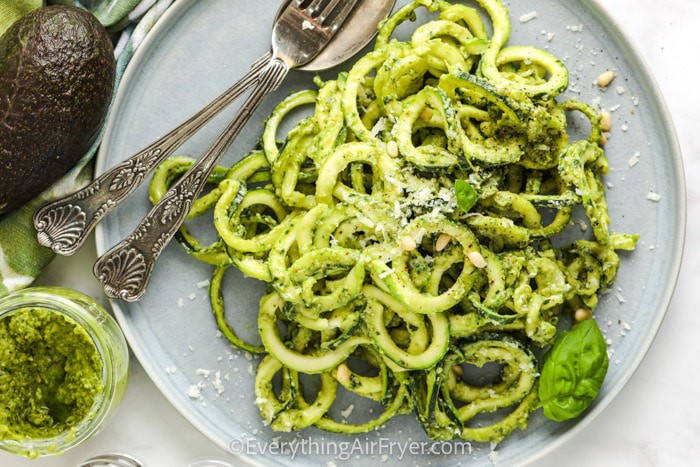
109,343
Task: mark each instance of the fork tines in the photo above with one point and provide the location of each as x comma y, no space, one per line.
327,13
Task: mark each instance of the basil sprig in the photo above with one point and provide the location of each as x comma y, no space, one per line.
466,195
573,371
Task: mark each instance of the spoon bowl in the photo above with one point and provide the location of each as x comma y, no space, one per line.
357,31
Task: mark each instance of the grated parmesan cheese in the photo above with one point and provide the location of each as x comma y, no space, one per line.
346,413
634,160
202,372
195,391
218,384
493,455
651,196
528,17
378,127
386,273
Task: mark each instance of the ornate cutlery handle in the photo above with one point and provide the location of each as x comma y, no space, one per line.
126,269
64,225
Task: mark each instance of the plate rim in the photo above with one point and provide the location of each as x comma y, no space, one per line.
674,153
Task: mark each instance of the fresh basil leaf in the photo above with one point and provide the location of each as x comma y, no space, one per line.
466,195
573,371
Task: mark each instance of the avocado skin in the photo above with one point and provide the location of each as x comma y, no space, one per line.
57,74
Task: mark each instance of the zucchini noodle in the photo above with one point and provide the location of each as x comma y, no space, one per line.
379,283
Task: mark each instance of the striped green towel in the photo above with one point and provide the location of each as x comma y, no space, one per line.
21,257
12,10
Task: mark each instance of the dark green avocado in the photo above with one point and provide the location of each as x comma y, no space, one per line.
56,80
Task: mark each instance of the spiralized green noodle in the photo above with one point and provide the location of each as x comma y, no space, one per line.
355,225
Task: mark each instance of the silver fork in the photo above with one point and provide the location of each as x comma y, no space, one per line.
300,32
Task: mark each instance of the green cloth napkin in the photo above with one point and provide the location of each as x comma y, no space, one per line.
12,10
21,257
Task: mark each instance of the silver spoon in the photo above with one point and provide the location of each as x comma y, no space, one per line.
64,224
301,31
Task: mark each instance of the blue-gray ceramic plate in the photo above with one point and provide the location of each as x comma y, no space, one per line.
201,47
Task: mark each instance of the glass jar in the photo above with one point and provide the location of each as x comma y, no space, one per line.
110,345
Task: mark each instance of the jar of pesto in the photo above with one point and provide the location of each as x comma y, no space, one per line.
63,370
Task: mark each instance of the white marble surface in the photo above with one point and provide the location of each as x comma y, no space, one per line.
655,420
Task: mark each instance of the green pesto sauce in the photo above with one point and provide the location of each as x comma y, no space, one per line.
50,374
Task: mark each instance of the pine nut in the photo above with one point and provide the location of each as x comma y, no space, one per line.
605,120
605,78
343,374
392,148
603,139
458,370
408,243
476,259
582,314
442,241
426,114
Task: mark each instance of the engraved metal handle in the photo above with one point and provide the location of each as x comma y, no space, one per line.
64,225
126,269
